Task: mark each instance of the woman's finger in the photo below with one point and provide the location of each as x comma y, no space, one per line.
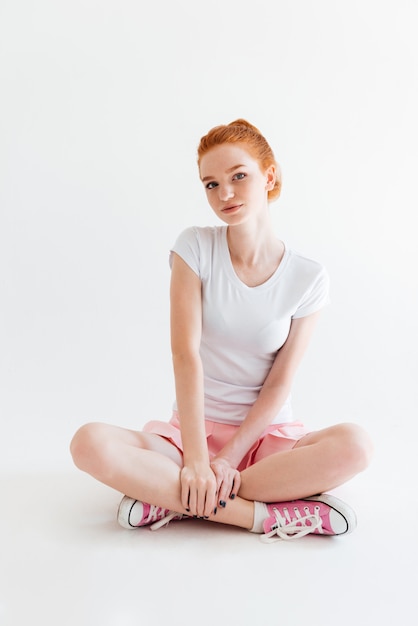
236,484
225,491
184,492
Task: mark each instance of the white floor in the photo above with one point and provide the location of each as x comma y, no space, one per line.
64,560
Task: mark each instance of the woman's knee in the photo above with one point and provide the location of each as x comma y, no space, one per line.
353,446
346,446
88,447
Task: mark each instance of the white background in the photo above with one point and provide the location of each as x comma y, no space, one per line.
102,106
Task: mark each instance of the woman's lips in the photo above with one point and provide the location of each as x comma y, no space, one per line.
231,208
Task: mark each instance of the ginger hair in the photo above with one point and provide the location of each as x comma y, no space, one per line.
242,132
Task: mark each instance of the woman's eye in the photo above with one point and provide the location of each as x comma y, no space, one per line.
211,185
239,176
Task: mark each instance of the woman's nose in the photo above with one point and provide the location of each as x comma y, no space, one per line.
225,192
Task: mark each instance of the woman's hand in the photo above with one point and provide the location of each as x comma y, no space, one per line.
228,480
198,489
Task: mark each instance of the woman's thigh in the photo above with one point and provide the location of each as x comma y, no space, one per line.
347,435
99,436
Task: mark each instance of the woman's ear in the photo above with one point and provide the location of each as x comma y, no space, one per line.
271,177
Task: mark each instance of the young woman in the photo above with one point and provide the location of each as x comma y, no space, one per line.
243,309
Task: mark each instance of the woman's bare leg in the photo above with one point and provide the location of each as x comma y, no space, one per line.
141,465
147,467
319,462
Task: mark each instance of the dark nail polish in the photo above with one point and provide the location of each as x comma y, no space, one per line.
194,516
214,510
232,496
222,503
188,510
206,517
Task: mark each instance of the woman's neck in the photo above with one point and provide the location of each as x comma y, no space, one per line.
251,245
255,253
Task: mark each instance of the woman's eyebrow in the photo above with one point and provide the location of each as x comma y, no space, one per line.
228,171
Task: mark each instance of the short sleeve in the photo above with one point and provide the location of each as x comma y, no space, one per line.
187,247
315,297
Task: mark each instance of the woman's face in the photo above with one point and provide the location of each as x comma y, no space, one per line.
235,185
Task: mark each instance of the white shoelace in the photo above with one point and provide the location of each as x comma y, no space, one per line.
288,528
164,521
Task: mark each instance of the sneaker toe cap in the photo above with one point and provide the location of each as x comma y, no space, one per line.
338,522
130,513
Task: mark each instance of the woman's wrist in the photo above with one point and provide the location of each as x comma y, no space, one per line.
226,460
196,461
195,451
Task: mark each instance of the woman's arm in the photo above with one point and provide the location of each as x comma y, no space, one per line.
273,394
198,485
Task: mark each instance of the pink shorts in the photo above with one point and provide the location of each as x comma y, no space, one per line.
275,438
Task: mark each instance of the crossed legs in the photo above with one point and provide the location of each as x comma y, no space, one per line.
147,467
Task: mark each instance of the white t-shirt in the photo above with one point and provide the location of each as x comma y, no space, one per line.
244,327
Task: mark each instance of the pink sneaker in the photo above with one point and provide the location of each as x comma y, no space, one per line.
134,513
320,515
